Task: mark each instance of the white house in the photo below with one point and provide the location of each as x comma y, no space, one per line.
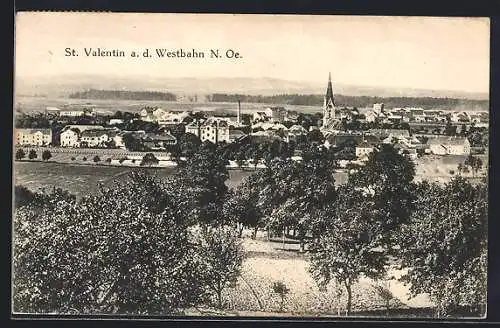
115,121
276,114
94,138
259,116
33,137
72,113
69,138
118,139
449,146
364,149
213,131
378,108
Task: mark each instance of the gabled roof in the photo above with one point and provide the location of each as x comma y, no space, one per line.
450,141
159,137
95,133
340,139
387,132
33,131
297,128
236,133
365,144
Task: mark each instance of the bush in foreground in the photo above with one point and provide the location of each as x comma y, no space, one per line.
111,253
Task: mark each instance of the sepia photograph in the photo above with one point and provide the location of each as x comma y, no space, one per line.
250,165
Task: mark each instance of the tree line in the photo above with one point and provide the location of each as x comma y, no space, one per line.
153,246
354,101
123,95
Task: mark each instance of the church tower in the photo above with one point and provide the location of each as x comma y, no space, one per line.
328,104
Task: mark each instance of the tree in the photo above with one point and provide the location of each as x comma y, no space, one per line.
282,290
222,256
149,159
388,178
46,155
189,144
20,154
240,158
346,250
96,159
444,246
474,162
293,193
132,143
32,154
203,177
124,250
241,205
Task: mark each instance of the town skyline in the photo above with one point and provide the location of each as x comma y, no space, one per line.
424,53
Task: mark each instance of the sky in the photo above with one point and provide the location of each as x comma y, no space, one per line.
408,52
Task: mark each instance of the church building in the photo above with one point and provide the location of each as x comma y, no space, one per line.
328,105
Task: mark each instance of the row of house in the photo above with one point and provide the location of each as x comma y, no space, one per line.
33,137
366,143
76,136
415,114
276,114
162,117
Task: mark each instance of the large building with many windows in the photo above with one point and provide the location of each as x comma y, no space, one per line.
215,131
33,137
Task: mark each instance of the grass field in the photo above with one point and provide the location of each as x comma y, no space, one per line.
83,179
29,104
267,263
443,168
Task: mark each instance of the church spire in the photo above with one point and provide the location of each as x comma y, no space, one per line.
329,100
329,103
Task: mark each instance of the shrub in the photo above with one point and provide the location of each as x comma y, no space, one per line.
32,154
282,290
20,154
123,159
46,155
96,159
108,160
149,159
73,158
84,159
133,161
452,172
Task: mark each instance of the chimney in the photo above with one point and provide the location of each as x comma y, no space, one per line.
238,117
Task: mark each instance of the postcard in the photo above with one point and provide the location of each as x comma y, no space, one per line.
213,165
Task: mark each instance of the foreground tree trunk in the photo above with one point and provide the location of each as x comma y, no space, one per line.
283,238
241,231
349,296
254,234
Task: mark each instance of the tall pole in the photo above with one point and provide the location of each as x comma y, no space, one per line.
238,117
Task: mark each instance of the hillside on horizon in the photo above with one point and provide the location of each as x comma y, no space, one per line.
64,85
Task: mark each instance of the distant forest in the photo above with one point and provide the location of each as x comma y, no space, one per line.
295,99
123,95
354,101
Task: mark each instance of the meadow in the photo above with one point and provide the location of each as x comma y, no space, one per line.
81,179
267,262
30,104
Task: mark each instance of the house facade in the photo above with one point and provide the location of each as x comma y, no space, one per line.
449,146
33,137
276,114
69,138
364,149
213,131
94,138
